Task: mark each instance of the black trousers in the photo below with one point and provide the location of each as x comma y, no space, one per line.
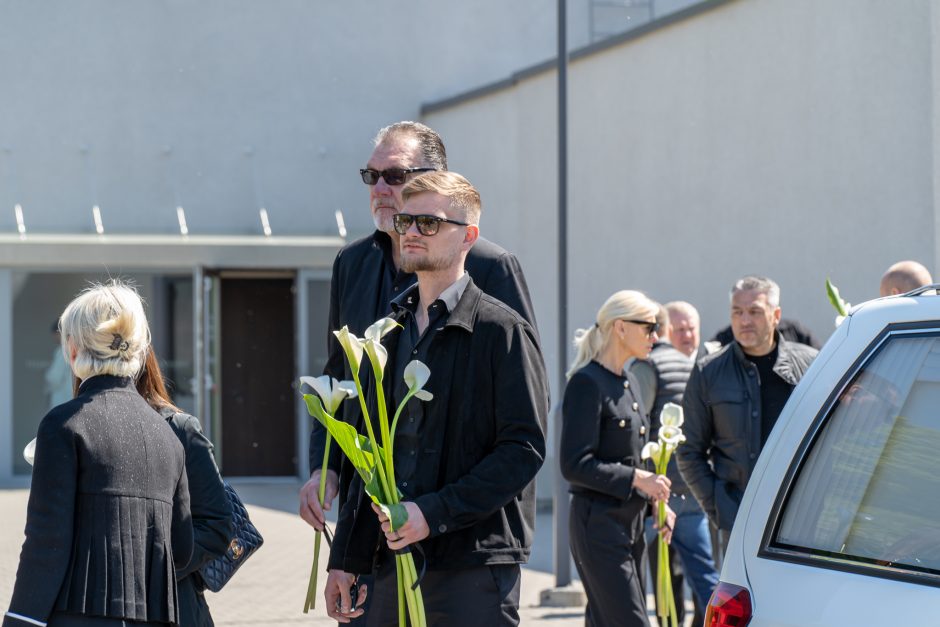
471,597
607,544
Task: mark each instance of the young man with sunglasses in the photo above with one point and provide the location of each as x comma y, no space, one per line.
466,460
367,275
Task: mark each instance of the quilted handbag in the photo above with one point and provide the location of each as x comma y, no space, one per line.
247,540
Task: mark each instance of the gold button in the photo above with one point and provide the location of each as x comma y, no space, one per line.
623,423
636,406
643,430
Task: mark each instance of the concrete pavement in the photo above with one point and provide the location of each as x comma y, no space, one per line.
269,590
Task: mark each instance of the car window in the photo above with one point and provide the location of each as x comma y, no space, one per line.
869,489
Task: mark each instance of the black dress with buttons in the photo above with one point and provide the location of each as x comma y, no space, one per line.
604,429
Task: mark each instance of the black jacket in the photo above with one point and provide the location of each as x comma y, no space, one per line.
482,441
108,514
604,429
211,514
356,301
722,424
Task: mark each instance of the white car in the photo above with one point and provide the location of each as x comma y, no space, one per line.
840,522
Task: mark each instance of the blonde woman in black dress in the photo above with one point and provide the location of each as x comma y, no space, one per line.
604,429
108,516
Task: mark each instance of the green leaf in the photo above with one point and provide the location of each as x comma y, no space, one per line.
357,448
835,299
397,514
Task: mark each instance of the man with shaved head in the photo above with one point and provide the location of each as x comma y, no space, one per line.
903,277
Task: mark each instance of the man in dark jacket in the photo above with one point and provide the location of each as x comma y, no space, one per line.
662,378
733,399
465,461
367,275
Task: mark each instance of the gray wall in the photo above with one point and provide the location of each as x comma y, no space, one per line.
792,139
139,106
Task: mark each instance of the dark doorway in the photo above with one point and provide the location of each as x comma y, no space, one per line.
257,359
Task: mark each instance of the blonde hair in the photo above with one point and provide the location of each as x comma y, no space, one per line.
622,305
463,196
107,327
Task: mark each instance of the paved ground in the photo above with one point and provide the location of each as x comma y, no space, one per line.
269,590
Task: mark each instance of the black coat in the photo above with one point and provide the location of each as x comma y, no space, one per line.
356,301
722,424
482,441
108,514
211,514
604,429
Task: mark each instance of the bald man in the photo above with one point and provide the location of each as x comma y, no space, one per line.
903,277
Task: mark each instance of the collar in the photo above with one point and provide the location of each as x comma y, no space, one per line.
105,382
450,296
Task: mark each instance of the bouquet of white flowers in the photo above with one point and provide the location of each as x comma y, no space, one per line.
371,456
670,437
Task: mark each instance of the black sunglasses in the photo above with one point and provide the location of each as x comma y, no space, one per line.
651,327
427,225
392,176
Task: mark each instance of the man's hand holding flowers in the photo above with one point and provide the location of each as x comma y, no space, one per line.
414,530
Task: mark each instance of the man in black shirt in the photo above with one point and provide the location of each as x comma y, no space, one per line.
733,399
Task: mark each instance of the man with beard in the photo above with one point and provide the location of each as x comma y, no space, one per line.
470,499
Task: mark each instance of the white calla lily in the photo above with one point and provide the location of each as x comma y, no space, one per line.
416,375
330,391
380,328
352,346
671,437
671,415
377,355
651,450
29,453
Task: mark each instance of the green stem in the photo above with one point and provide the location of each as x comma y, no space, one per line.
401,406
399,574
386,436
311,601
383,481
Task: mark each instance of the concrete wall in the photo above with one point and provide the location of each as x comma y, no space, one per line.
792,139
225,106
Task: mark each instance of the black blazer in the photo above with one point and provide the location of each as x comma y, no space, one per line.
211,512
108,512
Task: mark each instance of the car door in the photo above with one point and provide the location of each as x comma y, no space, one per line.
842,522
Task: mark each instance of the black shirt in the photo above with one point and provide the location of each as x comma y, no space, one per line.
774,392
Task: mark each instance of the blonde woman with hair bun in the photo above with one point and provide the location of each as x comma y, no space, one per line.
604,428
108,517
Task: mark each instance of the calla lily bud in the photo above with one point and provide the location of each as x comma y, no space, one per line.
380,328
651,450
377,355
352,346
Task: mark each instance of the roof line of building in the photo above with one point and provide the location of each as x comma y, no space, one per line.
585,51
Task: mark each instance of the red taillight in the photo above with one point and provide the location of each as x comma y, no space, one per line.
730,606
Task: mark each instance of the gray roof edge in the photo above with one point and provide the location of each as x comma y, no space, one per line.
585,51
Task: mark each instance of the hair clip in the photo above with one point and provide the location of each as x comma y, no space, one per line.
118,343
